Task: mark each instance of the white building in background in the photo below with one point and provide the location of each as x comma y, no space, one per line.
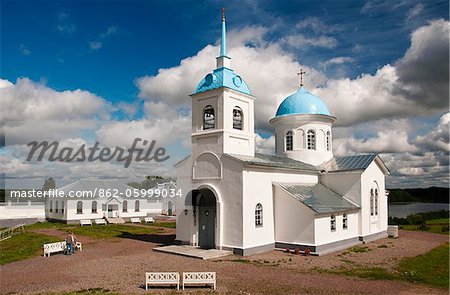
105,199
302,197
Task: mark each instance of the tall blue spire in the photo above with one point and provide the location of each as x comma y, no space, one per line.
223,43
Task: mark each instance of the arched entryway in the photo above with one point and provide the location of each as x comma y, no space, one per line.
207,216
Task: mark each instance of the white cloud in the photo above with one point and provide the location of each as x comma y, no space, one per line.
64,25
265,145
300,41
23,50
415,11
336,61
95,45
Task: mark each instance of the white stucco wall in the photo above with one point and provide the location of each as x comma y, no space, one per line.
258,188
294,222
322,228
373,224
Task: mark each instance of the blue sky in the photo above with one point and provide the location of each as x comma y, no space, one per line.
118,52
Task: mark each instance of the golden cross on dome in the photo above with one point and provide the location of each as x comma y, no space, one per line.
223,13
301,73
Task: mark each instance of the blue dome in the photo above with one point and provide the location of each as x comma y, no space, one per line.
302,102
223,77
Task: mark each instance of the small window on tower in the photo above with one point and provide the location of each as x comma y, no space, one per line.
237,118
289,141
311,140
208,118
328,141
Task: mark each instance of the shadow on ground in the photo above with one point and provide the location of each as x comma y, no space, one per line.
161,239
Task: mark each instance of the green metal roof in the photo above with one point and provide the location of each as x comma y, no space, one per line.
274,161
318,197
349,163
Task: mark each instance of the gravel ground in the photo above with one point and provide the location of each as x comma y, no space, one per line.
119,265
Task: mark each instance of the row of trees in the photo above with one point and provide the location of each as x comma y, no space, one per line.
419,218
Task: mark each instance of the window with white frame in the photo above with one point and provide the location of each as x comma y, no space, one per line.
328,139
371,202
258,215
51,206
125,206
56,206
79,207
311,140
376,202
94,207
333,223
62,206
289,141
237,118
136,206
344,221
208,118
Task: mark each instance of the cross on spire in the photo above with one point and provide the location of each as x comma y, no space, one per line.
301,73
223,13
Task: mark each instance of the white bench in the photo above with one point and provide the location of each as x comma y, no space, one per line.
162,278
54,248
100,221
135,220
196,278
85,222
149,220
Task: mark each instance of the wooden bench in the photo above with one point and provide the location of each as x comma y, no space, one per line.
149,220
198,278
162,278
85,222
135,220
100,221
54,248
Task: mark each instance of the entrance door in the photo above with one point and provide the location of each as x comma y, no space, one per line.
207,220
113,210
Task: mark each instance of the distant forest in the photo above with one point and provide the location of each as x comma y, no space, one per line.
425,195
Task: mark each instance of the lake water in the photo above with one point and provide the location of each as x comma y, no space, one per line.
404,209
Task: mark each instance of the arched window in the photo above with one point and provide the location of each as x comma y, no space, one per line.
237,118
56,206
328,139
125,206
136,206
311,140
258,215
376,202
371,202
79,207
333,223
94,207
289,141
208,118
344,221
51,206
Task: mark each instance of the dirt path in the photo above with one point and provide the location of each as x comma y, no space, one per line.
120,264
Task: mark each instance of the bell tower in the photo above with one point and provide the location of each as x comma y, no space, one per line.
223,110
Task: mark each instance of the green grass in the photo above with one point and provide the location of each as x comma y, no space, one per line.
442,221
163,224
431,268
113,230
437,226
359,249
23,246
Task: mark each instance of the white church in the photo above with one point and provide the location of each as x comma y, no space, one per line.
300,198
